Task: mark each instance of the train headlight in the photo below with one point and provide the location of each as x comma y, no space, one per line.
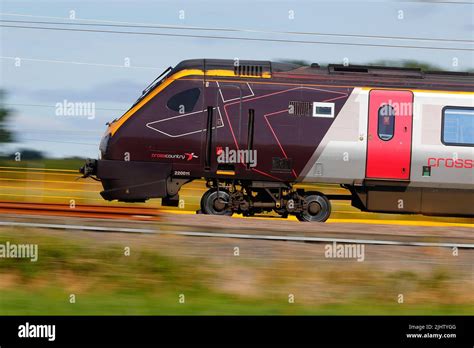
104,142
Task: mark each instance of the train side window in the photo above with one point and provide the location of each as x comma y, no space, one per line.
184,101
457,126
386,122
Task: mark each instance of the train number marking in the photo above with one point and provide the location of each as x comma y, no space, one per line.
182,173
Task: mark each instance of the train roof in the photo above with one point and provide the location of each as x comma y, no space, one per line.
350,75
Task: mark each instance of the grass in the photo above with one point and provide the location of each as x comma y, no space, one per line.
150,281
52,301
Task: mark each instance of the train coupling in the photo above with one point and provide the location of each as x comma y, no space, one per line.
89,168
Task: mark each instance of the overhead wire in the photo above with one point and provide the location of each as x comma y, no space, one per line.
175,27
235,38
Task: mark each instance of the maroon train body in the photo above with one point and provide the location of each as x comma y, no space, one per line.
252,129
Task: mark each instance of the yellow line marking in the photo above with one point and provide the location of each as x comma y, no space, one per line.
181,212
37,173
360,221
56,181
339,86
217,72
186,72
117,124
42,196
401,222
225,172
418,90
32,168
238,216
46,189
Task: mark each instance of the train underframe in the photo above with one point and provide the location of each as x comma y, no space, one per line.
139,181
225,197
248,198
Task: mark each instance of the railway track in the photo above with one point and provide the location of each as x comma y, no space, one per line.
145,220
85,211
145,213
209,231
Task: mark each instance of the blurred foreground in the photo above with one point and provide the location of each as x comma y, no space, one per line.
176,275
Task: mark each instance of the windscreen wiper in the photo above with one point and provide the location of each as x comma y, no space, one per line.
152,84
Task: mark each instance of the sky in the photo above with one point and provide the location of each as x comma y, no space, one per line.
40,68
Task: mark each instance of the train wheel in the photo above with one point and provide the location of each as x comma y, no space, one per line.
213,204
318,208
204,199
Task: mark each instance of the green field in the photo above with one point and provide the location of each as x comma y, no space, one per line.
159,269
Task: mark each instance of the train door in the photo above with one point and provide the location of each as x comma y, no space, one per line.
389,135
223,127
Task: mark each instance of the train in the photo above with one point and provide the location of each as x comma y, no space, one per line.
399,140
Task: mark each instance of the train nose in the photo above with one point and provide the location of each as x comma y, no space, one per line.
89,168
129,181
